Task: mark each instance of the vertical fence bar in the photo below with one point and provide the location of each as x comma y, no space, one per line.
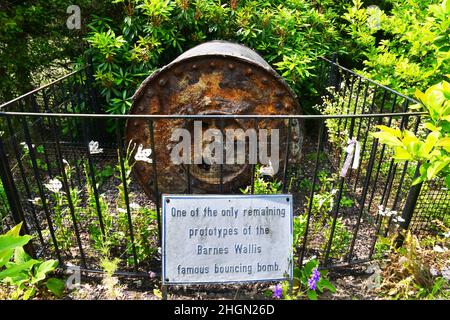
363,197
41,188
92,177
155,180
188,166
125,192
12,194
255,123
363,149
335,216
67,190
313,187
411,201
223,157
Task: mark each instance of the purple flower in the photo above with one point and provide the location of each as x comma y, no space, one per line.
315,277
152,274
278,291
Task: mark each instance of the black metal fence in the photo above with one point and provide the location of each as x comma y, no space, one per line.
70,180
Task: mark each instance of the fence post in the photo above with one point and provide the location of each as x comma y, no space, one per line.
410,205
12,195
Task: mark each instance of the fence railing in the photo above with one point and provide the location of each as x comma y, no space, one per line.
82,194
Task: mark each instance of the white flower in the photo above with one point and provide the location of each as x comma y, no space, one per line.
54,185
400,219
35,201
447,234
122,210
267,170
446,273
66,163
25,145
143,154
391,213
93,148
438,249
434,272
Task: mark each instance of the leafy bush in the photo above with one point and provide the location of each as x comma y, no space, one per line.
432,149
406,45
17,269
289,35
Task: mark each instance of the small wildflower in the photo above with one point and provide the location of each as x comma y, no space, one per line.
267,170
152,275
315,277
94,149
446,273
54,185
143,154
25,146
278,291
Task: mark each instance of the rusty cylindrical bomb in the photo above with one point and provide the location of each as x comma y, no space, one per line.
214,78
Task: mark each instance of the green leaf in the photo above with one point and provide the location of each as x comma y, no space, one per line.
15,269
44,268
445,143
388,139
20,256
429,143
327,284
5,256
312,295
15,231
447,181
8,242
56,286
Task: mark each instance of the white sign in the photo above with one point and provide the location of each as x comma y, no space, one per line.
226,238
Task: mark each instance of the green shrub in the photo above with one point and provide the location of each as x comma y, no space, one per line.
149,34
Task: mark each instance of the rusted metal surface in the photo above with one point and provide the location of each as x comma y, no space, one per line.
214,78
